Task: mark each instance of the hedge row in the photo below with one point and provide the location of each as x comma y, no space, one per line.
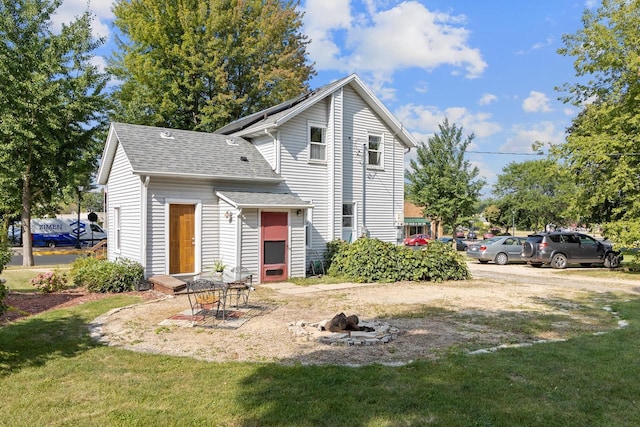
371,260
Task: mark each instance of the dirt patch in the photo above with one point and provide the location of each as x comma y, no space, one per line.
431,318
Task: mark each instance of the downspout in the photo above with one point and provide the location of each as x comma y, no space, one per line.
239,240
143,222
364,187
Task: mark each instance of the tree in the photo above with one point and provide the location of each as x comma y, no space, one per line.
51,107
601,151
200,64
441,179
536,192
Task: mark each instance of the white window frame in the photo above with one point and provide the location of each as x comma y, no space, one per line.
308,229
353,217
379,151
322,144
117,227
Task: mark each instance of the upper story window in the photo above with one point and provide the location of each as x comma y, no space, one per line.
317,143
375,151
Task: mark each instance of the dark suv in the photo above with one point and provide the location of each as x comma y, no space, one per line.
560,248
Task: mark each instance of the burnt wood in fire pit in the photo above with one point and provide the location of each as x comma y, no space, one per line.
342,322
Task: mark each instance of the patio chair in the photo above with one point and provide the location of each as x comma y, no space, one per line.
204,298
241,286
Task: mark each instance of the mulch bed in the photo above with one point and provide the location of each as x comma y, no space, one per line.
24,304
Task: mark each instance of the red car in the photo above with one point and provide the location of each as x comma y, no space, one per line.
417,240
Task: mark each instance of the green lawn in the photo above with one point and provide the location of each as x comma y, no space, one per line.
52,373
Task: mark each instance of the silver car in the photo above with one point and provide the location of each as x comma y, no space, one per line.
500,249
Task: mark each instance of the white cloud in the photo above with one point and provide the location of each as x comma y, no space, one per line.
536,102
425,120
69,10
381,42
487,98
523,138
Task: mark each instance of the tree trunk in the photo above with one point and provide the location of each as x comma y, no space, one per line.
27,249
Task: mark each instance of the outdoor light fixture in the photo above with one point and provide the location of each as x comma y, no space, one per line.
299,212
228,215
80,188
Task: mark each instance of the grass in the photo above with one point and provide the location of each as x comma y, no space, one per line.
52,373
18,277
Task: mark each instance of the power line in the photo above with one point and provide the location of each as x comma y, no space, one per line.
507,153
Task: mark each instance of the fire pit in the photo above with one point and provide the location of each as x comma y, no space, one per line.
371,332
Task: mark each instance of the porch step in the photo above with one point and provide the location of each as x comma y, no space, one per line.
167,284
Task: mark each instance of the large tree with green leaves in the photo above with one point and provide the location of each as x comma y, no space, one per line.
603,146
200,64
52,107
535,193
441,179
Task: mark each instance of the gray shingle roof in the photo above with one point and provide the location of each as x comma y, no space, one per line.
191,154
251,199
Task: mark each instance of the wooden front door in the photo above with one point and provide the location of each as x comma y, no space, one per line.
274,235
182,239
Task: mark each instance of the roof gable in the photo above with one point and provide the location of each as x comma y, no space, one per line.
280,114
157,151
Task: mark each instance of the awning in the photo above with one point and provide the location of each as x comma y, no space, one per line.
251,199
415,221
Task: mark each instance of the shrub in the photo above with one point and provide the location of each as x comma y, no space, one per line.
3,295
333,247
371,260
99,275
5,257
51,281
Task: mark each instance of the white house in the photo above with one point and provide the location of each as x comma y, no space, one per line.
265,193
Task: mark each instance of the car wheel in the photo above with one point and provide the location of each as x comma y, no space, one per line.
51,244
611,261
559,261
536,264
502,258
527,249
483,261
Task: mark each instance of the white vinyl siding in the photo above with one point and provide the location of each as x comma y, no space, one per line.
124,192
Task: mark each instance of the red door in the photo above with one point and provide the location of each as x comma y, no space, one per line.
273,236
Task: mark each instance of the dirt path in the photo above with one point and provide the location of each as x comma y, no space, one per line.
431,317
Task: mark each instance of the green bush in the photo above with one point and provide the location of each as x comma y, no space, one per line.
51,281
5,257
333,247
3,295
99,275
371,260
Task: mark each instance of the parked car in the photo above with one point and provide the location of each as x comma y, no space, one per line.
561,248
460,234
461,245
417,240
488,235
500,249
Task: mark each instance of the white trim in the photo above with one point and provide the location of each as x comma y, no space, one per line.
198,231
117,229
143,221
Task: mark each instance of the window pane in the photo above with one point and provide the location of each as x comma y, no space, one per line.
317,135
317,152
347,209
274,252
347,221
374,142
374,158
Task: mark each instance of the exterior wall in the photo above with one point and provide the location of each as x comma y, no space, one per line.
228,220
160,194
265,146
383,187
308,180
123,192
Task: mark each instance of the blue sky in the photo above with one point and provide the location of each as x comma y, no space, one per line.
489,66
